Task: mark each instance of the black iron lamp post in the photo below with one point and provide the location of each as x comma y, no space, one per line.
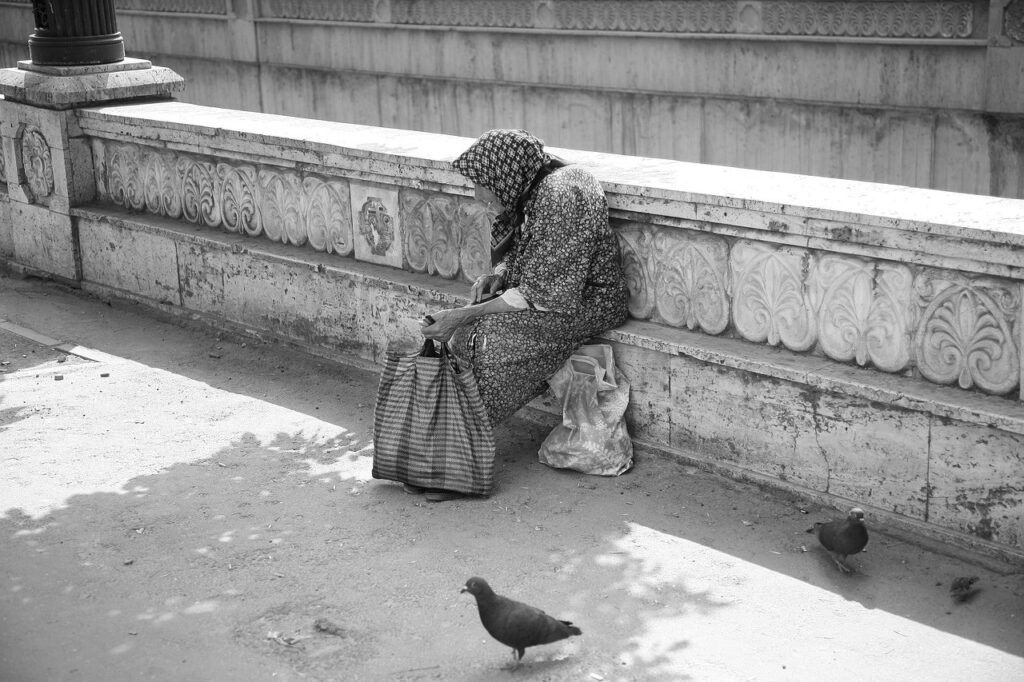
75,33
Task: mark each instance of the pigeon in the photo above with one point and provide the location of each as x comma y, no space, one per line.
843,537
962,589
516,624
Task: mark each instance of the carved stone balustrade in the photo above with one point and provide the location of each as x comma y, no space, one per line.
850,342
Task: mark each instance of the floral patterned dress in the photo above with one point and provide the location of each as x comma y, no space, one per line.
564,259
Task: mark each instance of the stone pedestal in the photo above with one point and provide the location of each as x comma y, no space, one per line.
47,161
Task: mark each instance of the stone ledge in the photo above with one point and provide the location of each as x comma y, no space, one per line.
52,91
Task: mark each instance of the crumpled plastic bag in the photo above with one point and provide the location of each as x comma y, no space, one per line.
592,437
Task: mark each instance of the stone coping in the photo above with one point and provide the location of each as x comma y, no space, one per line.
811,370
411,157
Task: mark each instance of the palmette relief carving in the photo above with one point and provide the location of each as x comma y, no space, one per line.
863,311
676,277
690,283
968,331
475,227
37,162
280,205
636,243
769,301
445,236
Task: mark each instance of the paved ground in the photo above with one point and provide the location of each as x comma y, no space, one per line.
178,505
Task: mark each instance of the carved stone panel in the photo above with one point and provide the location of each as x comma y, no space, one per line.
281,205
677,277
770,301
445,235
375,227
864,311
36,163
636,242
968,331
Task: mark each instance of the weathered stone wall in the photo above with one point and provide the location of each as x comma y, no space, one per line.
926,94
856,343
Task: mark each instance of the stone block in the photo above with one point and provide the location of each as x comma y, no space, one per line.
975,481
876,455
44,240
316,306
136,261
754,422
649,415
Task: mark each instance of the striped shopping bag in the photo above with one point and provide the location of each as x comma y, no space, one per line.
430,427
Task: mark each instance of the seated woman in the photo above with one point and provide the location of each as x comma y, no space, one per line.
557,269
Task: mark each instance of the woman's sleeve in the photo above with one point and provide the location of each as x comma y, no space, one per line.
554,258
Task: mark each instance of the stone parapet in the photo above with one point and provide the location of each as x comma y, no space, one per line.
854,342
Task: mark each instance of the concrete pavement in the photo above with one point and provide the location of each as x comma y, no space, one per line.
179,504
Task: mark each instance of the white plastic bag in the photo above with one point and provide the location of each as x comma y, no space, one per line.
592,437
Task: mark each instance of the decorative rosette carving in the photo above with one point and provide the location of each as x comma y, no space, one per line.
37,162
376,226
863,310
769,301
967,330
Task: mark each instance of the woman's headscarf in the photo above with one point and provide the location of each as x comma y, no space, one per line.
507,162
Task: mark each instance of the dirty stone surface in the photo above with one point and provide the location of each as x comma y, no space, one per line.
181,504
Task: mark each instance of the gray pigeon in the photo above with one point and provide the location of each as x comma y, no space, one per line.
843,537
514,623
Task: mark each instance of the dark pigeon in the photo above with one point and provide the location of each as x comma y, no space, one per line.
516,624
963,589
843,538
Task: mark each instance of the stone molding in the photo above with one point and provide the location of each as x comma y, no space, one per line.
864,19
431,233
954,328
219,7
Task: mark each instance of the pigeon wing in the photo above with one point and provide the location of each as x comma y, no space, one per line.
520,625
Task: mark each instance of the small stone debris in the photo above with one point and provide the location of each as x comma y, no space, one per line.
215,355
104,375
128,562
328,627
58,377
62,359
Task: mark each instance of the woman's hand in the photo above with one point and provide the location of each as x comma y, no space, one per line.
442,324
486,286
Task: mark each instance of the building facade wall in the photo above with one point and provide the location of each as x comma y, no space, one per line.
918,93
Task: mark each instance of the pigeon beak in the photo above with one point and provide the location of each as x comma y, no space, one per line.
462,590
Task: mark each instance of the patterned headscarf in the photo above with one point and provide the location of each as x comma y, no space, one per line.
505,162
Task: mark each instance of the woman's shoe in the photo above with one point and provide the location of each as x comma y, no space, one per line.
438,495
413,489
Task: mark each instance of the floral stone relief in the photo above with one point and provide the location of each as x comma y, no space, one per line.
864,310
967,331
446,235
770,301
280,205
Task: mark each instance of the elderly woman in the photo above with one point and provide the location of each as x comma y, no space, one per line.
558,272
